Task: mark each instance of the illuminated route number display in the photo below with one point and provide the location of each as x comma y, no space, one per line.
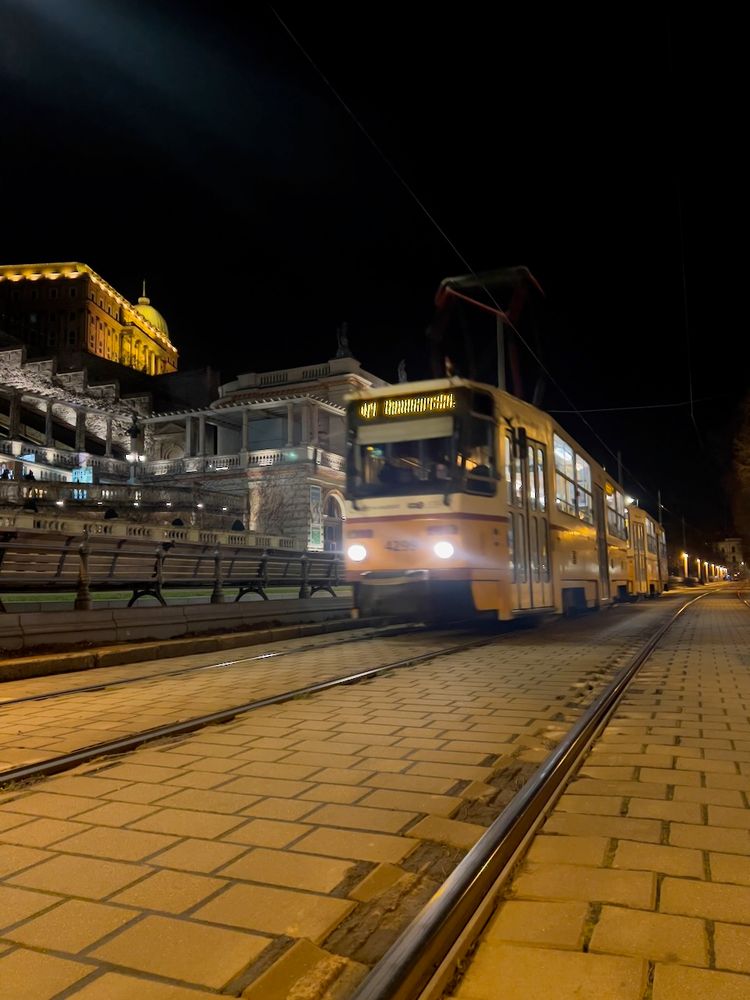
407,406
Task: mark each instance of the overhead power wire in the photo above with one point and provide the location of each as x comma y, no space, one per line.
405,184
645,406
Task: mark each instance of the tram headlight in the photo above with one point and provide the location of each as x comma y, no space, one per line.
443,550
356,552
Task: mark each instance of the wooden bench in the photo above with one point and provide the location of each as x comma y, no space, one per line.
40,561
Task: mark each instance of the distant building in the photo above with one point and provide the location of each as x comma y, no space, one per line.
67,311
731,554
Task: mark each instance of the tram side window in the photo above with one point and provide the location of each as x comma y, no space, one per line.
616,519
513,473
541,491
572,482
479,460
651,537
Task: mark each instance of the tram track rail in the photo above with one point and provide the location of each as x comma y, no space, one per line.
423,960
124,744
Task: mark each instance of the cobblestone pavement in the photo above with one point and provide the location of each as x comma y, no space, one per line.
35,731
285,850
638,886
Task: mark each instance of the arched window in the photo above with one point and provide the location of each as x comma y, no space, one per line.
333,518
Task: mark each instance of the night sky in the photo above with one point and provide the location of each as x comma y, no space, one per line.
194,145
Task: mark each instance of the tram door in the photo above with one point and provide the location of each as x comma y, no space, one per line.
639,557
602,551
526,479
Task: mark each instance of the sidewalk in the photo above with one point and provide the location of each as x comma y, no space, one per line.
638,885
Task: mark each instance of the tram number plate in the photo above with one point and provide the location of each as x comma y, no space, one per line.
400,545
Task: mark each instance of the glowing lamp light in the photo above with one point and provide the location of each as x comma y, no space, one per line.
443,550
356,553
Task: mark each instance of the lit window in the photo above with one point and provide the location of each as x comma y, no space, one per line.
572,482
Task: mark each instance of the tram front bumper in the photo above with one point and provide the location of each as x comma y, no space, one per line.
414,593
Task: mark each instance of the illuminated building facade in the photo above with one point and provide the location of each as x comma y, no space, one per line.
68,310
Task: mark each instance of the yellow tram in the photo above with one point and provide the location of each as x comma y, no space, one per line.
463,499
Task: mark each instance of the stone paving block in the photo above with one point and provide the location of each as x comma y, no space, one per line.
277,787
79,876
707,765
29,975
14,858
710,796
185,823
681,812
377,882
202,856
81,784
10,820
198,779
711,900
670,776
116,986
601,805
267,833
600,885
725,816
732,947
659,858
272,808
169,891
569,850
121,845
41,832
141,792
710,838
555,925
72,926
410,783
265,769
287,868
339,794
143,772
646,830
18,904
457,773
642,789
448,831
729,868
356,846
187,951
208,800
433,805
655,936
341,775
680,982
276,911
115,813
737,781
608,773
361,818
575,976
54,806
323,759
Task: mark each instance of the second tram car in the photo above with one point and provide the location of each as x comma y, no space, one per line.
463,499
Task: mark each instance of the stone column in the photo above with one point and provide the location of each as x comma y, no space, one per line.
80,430
188,437
49,437
14,414
108,440
202,434
314,423
245,432
289,424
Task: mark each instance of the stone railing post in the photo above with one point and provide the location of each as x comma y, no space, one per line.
83,596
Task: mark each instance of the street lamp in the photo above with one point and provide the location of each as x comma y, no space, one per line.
684,557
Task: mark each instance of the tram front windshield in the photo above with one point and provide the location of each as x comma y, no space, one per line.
396,459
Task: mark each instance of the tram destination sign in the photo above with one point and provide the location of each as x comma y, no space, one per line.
417,405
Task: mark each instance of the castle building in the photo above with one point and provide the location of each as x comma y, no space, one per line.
68,311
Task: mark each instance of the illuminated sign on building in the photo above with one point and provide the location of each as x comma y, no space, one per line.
407,406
